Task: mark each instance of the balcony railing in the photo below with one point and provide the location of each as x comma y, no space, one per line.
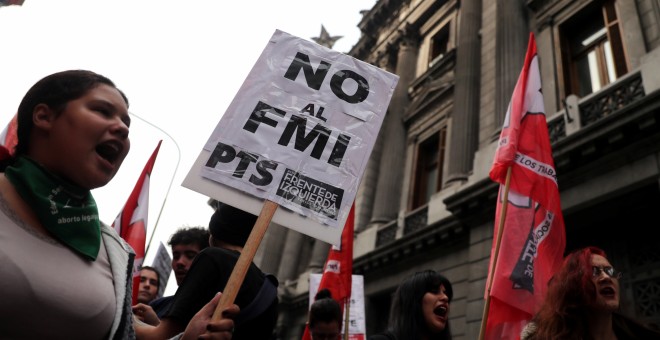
415,220
624,92
581,112
386,234
556,127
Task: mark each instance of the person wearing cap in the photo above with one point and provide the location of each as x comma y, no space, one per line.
209,274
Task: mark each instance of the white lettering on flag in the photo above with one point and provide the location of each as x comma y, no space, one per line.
543,229
333,266
537,167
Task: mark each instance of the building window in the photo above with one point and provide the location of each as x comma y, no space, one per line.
592,49
428,168
439,45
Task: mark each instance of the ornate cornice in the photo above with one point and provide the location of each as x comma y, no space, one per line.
377,20
442,234
407,37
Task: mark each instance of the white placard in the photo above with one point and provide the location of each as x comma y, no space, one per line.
357,325
163,265
299,133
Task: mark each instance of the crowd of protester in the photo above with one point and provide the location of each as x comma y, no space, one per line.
73,135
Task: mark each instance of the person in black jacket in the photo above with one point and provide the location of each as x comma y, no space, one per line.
208,275
186,243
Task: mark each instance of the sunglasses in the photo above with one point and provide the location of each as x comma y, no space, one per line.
609,271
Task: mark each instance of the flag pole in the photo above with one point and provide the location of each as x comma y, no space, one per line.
347,318
500,231
178,160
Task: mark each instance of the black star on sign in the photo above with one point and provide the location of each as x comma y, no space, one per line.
325,39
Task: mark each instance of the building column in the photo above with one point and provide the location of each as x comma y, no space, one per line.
269,254
464,136
388,189
512,35
364,200
290,256
631,32
319,256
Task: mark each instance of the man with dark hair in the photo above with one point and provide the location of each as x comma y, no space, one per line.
149,284
186,243
209,273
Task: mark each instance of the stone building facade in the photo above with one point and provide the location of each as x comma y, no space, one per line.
425,200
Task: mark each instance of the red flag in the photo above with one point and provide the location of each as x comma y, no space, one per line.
11,2
533,238
131,223
8,139
338,271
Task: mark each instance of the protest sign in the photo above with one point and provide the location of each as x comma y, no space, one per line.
298,133
163,265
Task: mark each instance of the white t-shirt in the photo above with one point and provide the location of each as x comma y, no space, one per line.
46,290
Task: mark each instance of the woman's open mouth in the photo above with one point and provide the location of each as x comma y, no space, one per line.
109,150
607,292
440,311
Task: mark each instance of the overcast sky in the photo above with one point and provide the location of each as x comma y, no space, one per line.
180,64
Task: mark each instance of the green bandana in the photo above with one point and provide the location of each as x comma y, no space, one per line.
65,210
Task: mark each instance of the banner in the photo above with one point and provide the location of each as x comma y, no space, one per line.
299,133
533,238
131,223
163,265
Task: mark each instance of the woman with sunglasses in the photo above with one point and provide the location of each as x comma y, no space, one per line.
581,303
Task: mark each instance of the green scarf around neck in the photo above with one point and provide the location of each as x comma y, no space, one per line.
67,211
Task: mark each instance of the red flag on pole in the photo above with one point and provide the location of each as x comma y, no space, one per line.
9,138
11,2
131,223
338,271
533,239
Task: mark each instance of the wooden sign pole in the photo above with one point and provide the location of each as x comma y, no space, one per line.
245,259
